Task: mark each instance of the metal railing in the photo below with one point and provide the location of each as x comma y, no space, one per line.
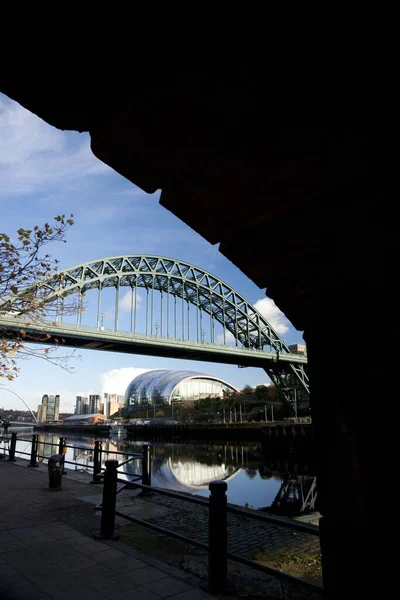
61,448
218,508
216,548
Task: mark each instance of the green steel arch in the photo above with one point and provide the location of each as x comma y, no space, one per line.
194,286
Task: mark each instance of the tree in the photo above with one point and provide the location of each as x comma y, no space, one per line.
23,264
273,393
261,392
247,390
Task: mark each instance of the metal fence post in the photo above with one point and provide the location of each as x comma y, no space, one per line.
146,469
217,537
97,462
13,443
62,449
109,503
34,447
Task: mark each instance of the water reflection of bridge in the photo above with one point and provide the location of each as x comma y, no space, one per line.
297,495
190,468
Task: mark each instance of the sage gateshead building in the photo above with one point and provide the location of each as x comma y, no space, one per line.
164,386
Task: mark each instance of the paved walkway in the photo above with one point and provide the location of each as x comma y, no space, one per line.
46,550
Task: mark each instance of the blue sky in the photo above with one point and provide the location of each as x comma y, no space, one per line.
45,172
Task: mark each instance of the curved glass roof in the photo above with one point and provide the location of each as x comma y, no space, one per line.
160,383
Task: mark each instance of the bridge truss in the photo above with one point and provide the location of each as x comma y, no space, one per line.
170,300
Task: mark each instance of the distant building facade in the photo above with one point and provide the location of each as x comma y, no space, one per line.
49,410
113,403
298,349
94,403
80,403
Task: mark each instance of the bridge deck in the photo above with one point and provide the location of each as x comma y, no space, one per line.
126,342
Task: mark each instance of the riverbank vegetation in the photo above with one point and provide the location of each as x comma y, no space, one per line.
263,403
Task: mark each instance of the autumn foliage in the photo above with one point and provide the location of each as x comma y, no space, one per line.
24,263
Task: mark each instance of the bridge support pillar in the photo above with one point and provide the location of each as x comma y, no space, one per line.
350,450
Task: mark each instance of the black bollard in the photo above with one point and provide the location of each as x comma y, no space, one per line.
109,501
62,450
55,468
13,443
146,469
217,538
34,448
97,463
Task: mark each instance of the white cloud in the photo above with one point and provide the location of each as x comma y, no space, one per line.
274,316
126,299
117,380
35,156
229,338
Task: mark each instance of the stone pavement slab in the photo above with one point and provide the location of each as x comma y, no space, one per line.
47,552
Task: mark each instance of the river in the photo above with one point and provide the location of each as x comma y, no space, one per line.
254,479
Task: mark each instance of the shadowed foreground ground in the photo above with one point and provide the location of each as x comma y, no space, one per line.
46,548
